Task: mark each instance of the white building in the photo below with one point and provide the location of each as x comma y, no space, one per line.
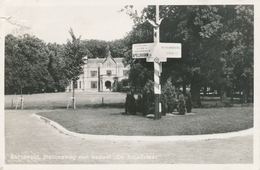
100,74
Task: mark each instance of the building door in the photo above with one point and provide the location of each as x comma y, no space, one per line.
108,85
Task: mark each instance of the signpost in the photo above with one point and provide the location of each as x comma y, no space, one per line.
142,50
157,52
162,51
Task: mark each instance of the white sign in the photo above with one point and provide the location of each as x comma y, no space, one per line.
161,59
167,50
162,51
142,50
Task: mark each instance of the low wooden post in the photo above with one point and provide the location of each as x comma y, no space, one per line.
19,100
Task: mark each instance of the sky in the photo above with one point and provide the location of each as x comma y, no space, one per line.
52,21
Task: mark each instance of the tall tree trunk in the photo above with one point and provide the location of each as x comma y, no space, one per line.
184,87
240,96
247,95
232,93
195,94
249,90
205,90
195,90
219,91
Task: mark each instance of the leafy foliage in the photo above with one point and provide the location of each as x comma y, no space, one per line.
73,57
96,48
212,39
26,64
56,66
168,97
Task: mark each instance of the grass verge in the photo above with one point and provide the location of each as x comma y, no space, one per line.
113,121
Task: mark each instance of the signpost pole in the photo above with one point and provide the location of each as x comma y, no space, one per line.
157,53
157,90
157,86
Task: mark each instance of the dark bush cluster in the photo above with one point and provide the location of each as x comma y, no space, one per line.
142,102
181,103
175,100
171,100
130,105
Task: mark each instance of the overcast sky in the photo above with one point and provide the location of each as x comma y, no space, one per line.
52,21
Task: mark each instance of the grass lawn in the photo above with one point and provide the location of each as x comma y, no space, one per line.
52,101
112,121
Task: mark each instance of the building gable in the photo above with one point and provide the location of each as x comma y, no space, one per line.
109,61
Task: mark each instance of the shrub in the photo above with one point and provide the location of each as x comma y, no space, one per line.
148,98
171,99
130,106
188,101
182,105
168,97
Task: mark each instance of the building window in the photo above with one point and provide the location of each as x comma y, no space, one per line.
109,72
125,72
93,73
80,84
94,84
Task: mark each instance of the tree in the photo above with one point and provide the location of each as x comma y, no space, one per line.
238,46
56,67
10,44
96,48
204,33
73,57
26,64
140,72
197,34
118,48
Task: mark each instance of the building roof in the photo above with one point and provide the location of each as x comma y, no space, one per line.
95,61
98,61
109,57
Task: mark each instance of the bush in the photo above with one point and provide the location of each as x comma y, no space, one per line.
188,101
144,102
182,105
175,99
168,97
171,100
130,105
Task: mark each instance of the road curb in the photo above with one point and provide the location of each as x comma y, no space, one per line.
146,138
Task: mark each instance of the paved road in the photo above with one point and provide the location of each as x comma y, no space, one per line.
29,140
